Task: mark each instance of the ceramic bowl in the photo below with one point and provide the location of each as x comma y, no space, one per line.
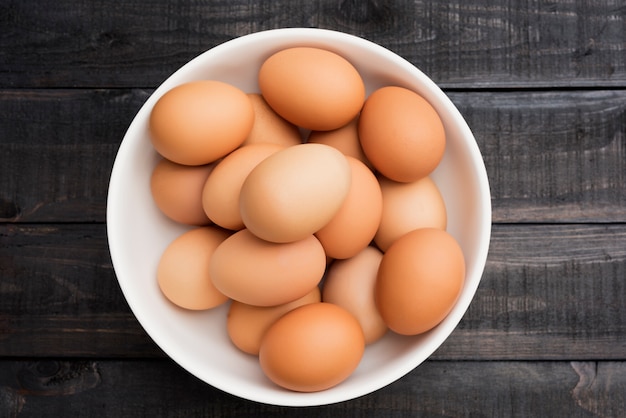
138,233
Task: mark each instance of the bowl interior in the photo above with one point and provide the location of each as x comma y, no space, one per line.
138,233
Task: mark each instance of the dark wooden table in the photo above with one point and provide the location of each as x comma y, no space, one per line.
541,83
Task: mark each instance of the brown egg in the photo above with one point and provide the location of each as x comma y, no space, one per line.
312,88
177,191
246,324
220,193
200,121
257,272
408,206
345,139
353,227
294,192
401,134
183,270
419,280
350,284
269,126
312,348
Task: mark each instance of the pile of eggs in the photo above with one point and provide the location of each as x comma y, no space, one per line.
311,211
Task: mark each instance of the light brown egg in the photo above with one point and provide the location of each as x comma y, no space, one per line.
419,280
262,273
312,88
354,225
220,193
350,284
199,122
246,324
408,206
177,191
183,269
312,348
294,192
269,126
401,134
345,139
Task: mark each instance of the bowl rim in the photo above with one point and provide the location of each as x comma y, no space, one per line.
484,216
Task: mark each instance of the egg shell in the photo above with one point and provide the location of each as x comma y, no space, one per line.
269,126
220,193
246,324
177,191
312,348
262,273
345,139
355,224
199,122
312,88
419,280
408,206
294,192
183,270
401,134
350,284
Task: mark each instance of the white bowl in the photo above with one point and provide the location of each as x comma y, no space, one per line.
138,232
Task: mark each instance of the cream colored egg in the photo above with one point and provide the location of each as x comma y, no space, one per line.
183,270
220,193
177,191
312,88
294,192
350,284
257,272
345,139
354,225
246,324
401,133
419,280
199,122
312,348
269,126
408,206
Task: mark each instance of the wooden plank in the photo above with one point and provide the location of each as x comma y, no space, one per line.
548,292
84,334
51,388
59,295
550,156
57,149
57,269
459,43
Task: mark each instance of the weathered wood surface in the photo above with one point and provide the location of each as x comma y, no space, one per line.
48,388
542,86
550,156
486,43
548,292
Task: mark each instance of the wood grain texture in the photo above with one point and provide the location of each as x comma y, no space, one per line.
102,388
57,149
473,44
540,83
548,292
550,156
